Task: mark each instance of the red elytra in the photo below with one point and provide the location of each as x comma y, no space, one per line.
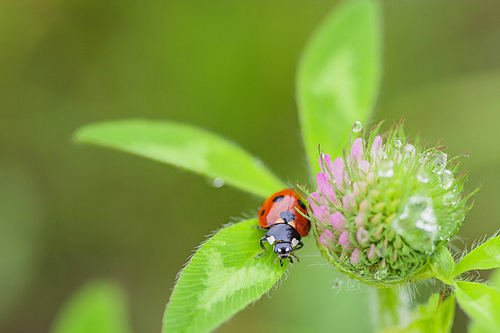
284,201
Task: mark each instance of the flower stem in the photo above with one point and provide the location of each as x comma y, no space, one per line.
389,307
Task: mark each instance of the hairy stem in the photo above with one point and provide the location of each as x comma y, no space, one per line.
389,307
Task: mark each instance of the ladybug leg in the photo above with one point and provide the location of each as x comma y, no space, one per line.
262,246
294,256
299,245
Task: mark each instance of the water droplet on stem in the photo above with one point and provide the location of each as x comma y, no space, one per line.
357,127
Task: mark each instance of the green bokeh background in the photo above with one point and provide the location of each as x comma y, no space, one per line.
72,213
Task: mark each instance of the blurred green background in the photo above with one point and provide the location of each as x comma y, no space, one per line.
71,213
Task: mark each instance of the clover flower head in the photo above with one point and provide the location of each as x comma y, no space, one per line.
381,210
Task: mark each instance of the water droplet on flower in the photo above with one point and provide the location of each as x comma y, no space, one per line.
409,151
257,164
380,274
447,179
423,176
357,127
440,158
417,224
385,169
449,198
437,158
429,220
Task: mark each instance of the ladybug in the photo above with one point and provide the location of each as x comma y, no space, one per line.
284,215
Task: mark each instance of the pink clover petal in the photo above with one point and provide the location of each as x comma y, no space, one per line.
327,236
325,164
376,150
371,252
322,180
322,215
346,178
357,150
362,235
349,201
315,200
338,171
326,189
344,239
359,189
359,219
363,166
362,187
325,242
338,221
328,239
364,206
370,177
355,257
345,242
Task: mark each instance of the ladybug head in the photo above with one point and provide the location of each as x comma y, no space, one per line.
284,251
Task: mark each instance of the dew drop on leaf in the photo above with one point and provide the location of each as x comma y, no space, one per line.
257,164
217,182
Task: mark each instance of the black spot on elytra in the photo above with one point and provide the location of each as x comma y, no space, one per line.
262,213
287,216
279,198
301,204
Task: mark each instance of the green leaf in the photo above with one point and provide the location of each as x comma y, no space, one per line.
435,317
339,76
481,303
442,264
495,278
186,147
222,278
431,317
486,256
99,307
473,328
